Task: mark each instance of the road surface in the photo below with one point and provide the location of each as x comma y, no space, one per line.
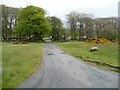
60,70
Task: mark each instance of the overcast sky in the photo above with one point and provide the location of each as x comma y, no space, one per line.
59,8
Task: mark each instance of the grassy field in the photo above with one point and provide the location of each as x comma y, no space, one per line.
107,53
19,62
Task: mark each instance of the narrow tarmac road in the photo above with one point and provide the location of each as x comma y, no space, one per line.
60,70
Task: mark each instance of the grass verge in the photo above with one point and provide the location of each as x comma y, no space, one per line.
107,54
19,62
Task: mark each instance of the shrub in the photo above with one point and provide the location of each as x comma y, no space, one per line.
99,40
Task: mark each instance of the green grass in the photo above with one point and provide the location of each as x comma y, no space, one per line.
19,62
107,53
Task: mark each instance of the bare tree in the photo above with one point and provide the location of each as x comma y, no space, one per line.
9,15
81,23
72,19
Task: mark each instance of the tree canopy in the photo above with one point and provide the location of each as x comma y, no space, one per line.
57,28
85,24
89,27
32,23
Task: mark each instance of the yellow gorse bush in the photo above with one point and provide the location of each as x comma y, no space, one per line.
99,40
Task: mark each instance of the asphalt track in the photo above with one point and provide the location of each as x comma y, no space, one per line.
61,70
